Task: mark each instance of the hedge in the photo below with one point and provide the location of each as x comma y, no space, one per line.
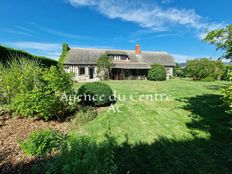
7,53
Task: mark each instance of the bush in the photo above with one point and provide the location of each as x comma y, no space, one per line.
31,91
96,94
18,77
82,155
86,114
42,142
208,79
157,73
37,103
228,99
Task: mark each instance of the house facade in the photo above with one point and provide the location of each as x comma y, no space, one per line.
126,64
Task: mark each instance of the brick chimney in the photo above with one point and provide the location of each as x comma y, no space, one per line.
137,49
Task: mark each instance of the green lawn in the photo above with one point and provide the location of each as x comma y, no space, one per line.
189,133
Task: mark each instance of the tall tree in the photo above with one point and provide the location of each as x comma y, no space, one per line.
222,38
104,65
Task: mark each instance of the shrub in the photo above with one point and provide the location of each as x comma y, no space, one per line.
18,76
208,79
228,98
42,142
37,103
82,155
96,94
86,114
30,91
157,73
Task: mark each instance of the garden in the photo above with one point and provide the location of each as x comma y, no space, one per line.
49,124
173,126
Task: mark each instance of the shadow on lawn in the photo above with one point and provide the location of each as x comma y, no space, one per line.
213,155
217,87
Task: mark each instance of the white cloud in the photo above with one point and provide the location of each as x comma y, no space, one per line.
51,50
181,58
55,32
148,14
166,1
18,32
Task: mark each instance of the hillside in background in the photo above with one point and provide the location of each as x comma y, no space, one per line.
8,53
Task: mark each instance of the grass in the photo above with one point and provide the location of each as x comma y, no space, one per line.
189,133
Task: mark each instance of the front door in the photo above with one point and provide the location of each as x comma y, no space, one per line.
91,73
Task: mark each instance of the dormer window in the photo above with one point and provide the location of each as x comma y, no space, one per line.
120,57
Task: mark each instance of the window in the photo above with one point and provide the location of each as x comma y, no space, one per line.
82,71
120,57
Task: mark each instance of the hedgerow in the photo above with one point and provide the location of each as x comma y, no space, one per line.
6,55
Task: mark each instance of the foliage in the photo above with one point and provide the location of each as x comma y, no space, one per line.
82,155
65,49
31,91
228,99
42,142
201,68
84,115
208,79
157,73
37,103
6,55
18,76
57,80
227,75
96,94
222,39
104,65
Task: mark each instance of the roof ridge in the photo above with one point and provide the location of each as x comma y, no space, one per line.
108,49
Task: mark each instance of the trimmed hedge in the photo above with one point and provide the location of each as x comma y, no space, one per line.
157,73
96,94
7,53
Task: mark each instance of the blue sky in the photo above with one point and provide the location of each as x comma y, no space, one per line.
174,26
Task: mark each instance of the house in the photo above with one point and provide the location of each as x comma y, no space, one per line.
127,64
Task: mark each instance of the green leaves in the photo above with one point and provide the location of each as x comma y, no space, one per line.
104,65
201,68
42,142
222,39
65,49
31,91
157,73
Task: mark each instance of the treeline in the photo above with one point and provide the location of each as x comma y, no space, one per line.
205,70
6,55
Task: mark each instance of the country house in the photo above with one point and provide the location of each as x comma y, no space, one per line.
127,64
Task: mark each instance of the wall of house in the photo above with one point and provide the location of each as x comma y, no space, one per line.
79,75
169,71
82,72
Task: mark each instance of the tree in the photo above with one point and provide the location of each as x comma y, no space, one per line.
222,38
201,68
104,65
65,49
